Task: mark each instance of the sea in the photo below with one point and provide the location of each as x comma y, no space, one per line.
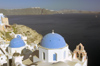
75,28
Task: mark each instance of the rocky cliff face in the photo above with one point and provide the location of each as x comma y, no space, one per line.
27,11
32,35
77,11
40,11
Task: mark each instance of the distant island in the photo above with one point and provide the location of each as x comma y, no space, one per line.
40,11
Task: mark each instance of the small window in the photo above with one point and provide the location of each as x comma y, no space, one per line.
64,54
43,56
79,47
81,56
55,57
77,55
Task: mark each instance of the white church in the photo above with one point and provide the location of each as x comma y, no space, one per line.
51,51
53,48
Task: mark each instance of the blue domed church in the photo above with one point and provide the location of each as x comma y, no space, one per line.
16,45
53,48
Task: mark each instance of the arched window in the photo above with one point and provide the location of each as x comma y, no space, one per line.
55,57
10,62
81,56
64,54
77,55
79,47
43,56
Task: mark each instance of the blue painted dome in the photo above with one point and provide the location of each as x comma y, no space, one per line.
16,43
53,41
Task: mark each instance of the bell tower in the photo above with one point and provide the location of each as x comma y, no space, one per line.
79,53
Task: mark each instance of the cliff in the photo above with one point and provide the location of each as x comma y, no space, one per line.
32,35
27,11
78,11
40,11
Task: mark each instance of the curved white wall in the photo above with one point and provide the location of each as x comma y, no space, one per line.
49,54
11,51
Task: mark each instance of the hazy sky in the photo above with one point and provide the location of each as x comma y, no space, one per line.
91,5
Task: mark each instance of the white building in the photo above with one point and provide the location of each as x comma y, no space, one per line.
17,60
3,59
53,48
1,16
3,22
16,45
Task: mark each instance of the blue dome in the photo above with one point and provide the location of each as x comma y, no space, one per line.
18,36
53,41
16,43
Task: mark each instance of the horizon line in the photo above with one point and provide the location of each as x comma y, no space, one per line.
46,8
